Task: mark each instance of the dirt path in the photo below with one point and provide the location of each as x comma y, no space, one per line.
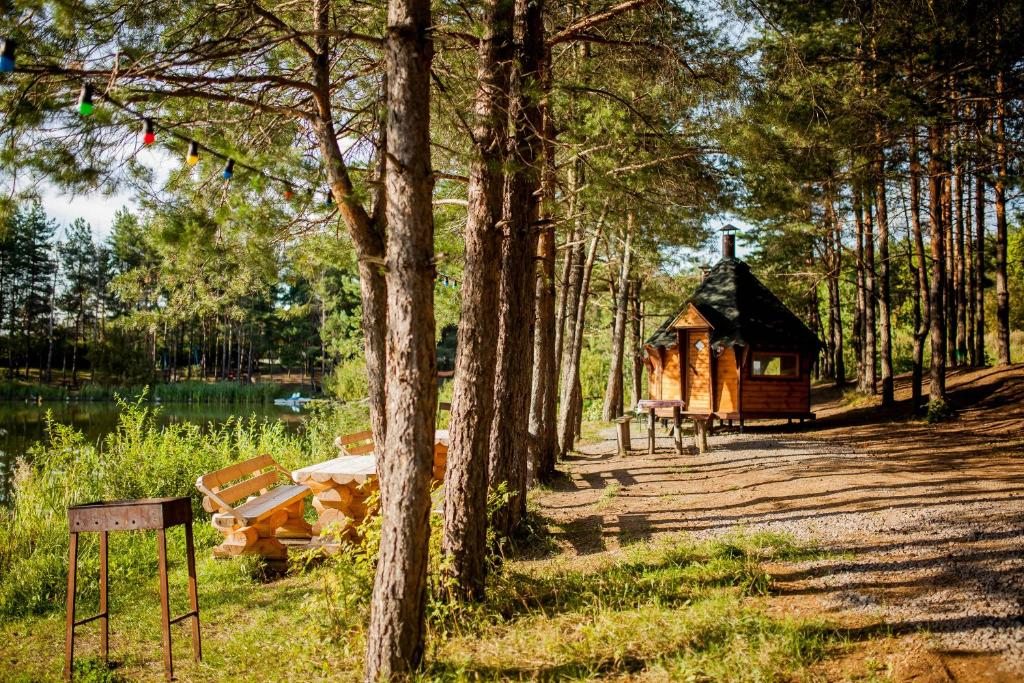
926,521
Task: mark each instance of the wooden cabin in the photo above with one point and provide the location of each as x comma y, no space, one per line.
733,350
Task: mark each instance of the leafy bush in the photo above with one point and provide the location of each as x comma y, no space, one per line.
347,380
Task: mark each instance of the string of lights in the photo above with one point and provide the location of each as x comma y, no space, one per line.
87,107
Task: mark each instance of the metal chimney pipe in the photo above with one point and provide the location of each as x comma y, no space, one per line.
728,245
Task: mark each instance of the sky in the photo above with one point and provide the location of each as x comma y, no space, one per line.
98,210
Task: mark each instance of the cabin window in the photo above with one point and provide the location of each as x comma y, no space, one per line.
772,364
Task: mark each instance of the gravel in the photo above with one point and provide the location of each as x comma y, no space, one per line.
935,550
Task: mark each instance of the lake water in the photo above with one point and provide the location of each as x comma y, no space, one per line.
22,424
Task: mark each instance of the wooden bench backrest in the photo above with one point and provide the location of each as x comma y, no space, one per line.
359,443
265,474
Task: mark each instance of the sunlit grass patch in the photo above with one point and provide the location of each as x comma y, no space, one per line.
675,610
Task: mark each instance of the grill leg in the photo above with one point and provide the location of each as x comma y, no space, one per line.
193,593
165,604
69,635
104,618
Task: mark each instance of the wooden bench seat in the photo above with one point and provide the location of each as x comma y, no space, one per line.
269,509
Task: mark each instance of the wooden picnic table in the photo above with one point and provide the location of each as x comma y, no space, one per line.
341,486
701,423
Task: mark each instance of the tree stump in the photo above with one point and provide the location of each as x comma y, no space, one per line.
622,434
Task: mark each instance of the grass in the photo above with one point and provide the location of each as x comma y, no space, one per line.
675,610
671,609
610,492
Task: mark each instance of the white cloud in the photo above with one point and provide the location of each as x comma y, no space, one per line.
96,208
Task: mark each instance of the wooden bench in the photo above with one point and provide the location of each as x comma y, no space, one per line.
360,443
269,509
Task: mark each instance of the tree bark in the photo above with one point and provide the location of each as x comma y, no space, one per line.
922,307
572,263
979,267
835,240
465,503
860,320
366,231
970,312
513,381
960,261
543,441
614,386
884,314
637,340
949,291
395,638
570,374
870,297
1002,281
936,171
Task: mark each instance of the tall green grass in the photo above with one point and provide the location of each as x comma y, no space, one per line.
137,460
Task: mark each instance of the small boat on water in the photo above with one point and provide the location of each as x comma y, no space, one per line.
294,401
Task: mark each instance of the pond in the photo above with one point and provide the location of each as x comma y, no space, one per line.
23,424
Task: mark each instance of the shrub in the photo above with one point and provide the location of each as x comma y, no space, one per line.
347,381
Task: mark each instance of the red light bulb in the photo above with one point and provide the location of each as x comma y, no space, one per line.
149,133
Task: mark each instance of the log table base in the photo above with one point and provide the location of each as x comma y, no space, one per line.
343,490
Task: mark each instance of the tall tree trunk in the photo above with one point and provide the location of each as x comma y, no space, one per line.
835,238
960,260
571,262
366,231
979,266
1002,281
860,319
949,292
465,500
636,320
513,381
870,299
922,307
543,441
936,172
970,312
570,374
614,386
396,632
884,314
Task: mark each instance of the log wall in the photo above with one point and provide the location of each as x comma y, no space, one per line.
776,394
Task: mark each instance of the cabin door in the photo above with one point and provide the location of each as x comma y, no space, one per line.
698,372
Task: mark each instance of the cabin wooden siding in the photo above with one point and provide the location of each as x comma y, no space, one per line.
690,318
663,373
670,376
778,394
727,384
760,395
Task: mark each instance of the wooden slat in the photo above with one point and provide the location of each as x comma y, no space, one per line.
346,439
268,503
248,487
217,479
361,449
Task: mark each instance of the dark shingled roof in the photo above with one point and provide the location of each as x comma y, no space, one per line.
741,311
